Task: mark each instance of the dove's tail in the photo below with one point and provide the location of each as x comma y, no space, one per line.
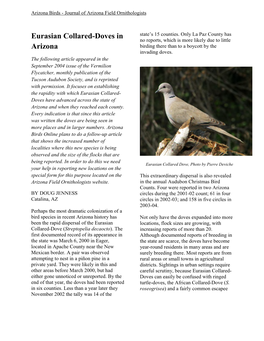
223,132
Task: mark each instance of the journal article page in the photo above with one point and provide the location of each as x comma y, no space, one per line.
132,171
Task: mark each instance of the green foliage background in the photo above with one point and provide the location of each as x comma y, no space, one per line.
222,92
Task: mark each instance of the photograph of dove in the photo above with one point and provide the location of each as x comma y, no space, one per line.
178,112
218,100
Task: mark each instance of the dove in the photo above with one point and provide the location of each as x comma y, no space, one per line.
179,111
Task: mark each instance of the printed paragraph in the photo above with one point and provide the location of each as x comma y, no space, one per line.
76,121
158,43
73,252
157,189
184,253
